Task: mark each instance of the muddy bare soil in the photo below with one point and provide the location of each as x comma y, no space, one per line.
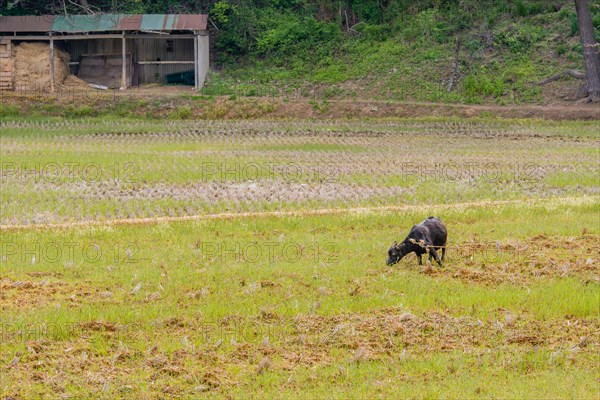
523,261
171,99
308,341
380,109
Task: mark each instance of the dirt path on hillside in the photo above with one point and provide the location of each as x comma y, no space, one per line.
323,211
296,107
357,108
383,109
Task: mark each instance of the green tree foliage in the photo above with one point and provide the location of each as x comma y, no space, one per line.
281,27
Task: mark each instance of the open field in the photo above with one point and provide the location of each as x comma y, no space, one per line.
70,171
247,259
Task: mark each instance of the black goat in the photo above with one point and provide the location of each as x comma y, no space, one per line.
427,237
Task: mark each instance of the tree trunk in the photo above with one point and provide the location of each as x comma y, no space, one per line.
455,65
86,6
590,49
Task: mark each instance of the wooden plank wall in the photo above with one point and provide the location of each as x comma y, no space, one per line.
151,49
6,65
104,70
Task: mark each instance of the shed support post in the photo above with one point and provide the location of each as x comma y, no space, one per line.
202,59
196,63
52,88
124,62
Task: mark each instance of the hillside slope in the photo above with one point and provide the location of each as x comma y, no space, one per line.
505,49
377,49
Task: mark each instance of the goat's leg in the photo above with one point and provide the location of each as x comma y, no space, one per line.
433,253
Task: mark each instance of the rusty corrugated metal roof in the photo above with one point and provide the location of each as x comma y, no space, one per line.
104,23
27,23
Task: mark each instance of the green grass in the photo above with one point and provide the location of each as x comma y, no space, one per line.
240,251
168,259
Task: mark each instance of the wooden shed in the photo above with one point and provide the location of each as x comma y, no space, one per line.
115,50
